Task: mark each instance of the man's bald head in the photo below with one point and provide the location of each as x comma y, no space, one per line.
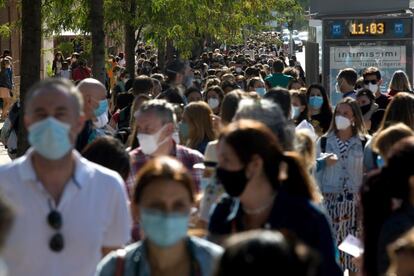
93,91
90,85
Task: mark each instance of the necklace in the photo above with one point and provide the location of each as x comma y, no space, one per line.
261,209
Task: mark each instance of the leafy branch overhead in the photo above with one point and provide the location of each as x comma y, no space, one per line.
184,22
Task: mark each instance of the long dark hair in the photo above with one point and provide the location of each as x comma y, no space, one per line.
326,110
248,138
377,194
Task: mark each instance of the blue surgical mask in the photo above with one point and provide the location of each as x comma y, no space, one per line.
205,181
315,102
102,108
261,91
164,229
50,138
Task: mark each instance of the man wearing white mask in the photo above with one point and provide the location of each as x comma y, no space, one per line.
373,82
69,212
95,110
156,123
345,82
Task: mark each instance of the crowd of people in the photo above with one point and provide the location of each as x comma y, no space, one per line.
226,164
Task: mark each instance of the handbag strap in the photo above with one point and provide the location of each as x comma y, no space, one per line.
120,262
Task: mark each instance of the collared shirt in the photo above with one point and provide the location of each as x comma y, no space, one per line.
203,257
94,211
351,94
187,156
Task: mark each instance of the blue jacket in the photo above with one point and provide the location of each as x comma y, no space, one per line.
347,170
204,254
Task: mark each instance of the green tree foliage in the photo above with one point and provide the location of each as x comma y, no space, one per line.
185,22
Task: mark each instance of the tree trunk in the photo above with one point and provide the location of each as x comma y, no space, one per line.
170,51
198,48
30,61
98,39
161,55
130,41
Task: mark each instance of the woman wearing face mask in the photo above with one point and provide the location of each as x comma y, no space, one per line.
384,140
400,110
213,96
163,198
366,102
267,189
341,176
320,112
257,85
196,128
299,106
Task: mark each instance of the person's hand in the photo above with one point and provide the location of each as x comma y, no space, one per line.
331,159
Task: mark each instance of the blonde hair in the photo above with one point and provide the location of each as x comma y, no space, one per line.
198,115
399,82
384,140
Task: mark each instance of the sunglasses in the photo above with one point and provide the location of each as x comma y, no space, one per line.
55,221
370,81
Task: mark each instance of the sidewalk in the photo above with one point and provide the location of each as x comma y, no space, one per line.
4,157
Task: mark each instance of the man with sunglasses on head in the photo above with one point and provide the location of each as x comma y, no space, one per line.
69,212
345,82
373,81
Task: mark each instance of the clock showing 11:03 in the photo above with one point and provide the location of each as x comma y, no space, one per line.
362,28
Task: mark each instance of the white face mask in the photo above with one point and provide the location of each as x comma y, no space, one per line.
342,122
337,88
295,112
149,142
213,103
101,120
372,87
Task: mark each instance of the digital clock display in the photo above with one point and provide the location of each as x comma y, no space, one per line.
368,28
362,28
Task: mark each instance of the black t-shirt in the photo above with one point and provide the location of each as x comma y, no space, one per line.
321,120
292,214
382,101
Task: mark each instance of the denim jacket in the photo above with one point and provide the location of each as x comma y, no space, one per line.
347,173
136,263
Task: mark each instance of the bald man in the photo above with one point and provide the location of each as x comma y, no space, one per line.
95,109
69,211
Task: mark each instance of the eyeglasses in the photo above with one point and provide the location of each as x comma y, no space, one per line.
370,81
55,221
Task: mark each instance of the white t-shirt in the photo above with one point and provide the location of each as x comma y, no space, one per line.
94,210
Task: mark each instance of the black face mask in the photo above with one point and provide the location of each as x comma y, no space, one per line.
365,108
234,182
